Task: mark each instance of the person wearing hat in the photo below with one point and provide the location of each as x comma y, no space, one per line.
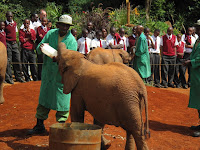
51,90
194,63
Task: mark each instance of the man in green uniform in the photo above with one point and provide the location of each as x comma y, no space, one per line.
51,90
141,62
194,62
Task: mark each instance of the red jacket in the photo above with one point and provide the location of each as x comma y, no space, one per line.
27,44
40,31
3,38
132,41
180,49
10,30
169,45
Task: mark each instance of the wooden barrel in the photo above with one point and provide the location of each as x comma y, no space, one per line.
74,136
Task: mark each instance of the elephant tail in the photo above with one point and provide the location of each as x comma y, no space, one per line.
146,130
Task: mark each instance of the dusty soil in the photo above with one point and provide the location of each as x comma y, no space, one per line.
169,116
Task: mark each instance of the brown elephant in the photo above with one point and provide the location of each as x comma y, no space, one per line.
105,56
3,64
113,93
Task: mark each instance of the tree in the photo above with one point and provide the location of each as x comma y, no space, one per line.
148,8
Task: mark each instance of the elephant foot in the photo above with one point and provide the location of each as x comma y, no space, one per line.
2,100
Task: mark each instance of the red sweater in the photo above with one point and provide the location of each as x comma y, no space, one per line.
27,44
132,41
3,37
10,30
169,45
180,49
40,31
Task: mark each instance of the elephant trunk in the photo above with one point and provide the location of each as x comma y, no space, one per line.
1,90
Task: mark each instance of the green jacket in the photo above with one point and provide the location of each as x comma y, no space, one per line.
51,90
194,101
141,62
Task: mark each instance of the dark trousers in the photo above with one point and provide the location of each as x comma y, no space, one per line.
186,57
179,76
40,60
13,55
29,56
168,69
155,67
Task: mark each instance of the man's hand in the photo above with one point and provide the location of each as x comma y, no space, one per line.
187,63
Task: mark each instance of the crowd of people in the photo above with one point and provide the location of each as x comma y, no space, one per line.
169,50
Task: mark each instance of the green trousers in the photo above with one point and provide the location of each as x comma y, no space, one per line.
43,112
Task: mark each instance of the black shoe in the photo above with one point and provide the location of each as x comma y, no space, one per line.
158,85
61,121
9,81
164,86
171,85
178,86
195,127
185,86
196,134
38,129
28,80
20,80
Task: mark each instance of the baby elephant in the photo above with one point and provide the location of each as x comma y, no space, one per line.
3,64
105,56
113,93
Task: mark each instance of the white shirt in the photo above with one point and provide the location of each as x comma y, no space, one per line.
125,42
81,44
169,37
11,22
193,40
196,36
96,43
157,41
110,39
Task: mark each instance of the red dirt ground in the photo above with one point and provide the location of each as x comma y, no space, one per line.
169,118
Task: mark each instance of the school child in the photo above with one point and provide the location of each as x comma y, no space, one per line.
74,33
179,76
12,50
41,32
155,58
124,40
104,35
84,43
168,52
149,38
132,40
27,37
2,33
189,41
91,32
113,39
49,25
97,42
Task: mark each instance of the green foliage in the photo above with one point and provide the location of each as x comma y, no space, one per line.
53,12
79,5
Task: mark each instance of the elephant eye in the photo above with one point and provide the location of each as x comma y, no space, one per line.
65,69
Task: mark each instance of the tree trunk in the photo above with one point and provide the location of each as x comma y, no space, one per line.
148,8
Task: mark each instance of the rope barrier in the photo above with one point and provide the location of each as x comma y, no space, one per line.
15,63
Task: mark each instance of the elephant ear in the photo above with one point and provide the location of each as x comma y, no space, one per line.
125,56
70,67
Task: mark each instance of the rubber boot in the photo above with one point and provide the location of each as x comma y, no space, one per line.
38,128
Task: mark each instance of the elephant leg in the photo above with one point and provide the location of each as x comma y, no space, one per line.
1,90
105,144
77,110
130,142
135,128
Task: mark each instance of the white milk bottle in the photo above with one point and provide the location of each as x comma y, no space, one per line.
49,51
